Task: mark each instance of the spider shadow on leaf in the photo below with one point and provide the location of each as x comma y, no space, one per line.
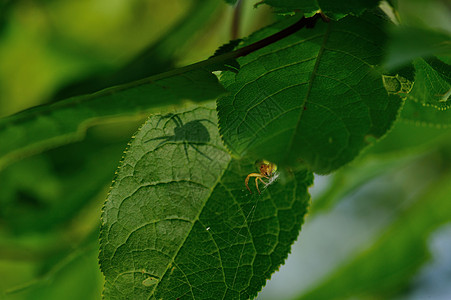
191,134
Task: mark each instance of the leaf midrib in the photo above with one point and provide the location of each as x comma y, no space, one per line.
218,181
312,78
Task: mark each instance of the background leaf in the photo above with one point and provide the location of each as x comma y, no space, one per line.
402,144
156,58
55,124
75,173
290,101
75,276
395,256
186,227
230,1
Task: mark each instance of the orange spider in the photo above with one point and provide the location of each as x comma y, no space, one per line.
267,170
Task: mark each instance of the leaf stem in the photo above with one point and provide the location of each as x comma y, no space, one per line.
209,65
212,63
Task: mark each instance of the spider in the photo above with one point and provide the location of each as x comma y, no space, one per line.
267,170
190,134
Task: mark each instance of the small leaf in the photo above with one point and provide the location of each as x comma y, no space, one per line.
432,83
179,212
314,96
52,125
332,8
397,85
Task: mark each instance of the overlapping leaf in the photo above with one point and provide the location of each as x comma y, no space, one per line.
51,125
314,96
432,83
179,222
333,9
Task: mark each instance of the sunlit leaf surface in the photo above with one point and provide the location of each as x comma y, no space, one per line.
179,222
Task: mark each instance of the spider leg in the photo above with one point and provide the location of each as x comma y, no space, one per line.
200,152
185,146
177,120
159,138
264,182
256,182
170,116
247,180
167,116
206,120
165,138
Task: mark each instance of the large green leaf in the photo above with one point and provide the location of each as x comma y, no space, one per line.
332,8
51,125
179,222
432,83
314,96
382,270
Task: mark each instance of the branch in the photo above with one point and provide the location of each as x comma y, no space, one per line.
212,63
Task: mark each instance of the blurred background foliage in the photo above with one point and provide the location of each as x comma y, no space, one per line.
50,203
378,228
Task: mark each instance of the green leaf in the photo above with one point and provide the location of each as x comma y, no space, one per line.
426,115
432,83
179,222
55,124
332,8
314,96
75,276
379,272
76,173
